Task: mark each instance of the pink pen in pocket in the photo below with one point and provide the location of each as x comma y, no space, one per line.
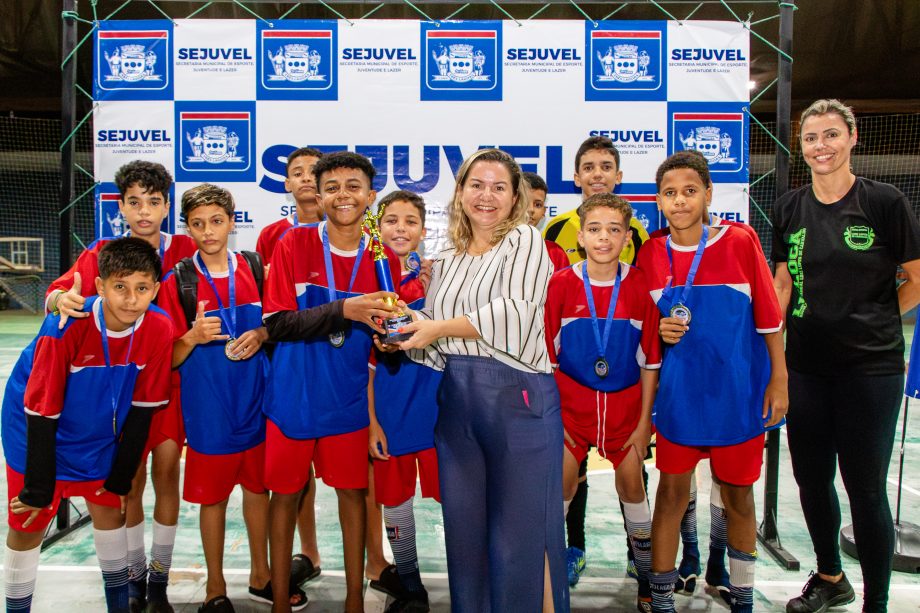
526,398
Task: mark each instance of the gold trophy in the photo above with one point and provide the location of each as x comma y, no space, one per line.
393,324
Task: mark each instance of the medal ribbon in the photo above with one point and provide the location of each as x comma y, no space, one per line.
330,273
231,291
601,343
413,272
115,392
694,266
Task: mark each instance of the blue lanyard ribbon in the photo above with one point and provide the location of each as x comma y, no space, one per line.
114,391
231,291
601,343
694,266
330,273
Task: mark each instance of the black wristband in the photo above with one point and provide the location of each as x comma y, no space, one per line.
41,462
130,447
286,326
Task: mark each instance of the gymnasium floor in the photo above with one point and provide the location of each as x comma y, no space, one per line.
69,579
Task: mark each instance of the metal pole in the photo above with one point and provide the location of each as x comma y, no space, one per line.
897,515
68,110
768,534
65,259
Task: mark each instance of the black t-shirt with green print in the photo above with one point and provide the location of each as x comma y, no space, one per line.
843,316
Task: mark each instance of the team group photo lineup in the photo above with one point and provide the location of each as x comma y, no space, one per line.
479,341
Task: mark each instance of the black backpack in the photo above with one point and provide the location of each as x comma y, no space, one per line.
187,282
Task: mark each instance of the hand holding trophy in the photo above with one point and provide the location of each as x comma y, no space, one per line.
393,324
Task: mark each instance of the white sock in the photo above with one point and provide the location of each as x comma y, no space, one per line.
164,538
137,556
20,569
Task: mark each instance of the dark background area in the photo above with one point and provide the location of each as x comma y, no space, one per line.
864,51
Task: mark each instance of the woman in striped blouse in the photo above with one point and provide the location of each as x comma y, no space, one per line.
499,429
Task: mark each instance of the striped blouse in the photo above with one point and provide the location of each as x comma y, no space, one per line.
502,293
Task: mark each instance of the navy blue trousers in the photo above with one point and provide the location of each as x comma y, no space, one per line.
499,443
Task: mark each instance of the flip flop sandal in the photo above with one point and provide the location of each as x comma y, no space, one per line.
266,596
389,583
302,569
218,604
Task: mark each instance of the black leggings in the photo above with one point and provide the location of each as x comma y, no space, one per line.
850,420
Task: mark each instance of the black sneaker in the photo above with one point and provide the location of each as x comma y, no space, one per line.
417,602
819,595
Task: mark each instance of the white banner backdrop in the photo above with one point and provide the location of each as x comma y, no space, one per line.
225,101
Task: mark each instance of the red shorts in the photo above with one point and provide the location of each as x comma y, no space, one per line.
340,460
394,479
737,464
62,489
606,425
209,479
166,424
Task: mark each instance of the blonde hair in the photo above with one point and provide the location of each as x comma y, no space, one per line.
830,105
459,229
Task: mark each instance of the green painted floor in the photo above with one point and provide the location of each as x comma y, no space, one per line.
70,581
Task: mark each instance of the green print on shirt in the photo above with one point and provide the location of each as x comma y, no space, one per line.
859,238
796,251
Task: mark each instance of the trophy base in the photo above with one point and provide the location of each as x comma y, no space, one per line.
393,327
396,338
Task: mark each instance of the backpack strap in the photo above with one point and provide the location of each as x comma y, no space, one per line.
187,282
255,265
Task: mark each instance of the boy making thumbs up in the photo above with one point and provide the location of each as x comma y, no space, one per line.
144,203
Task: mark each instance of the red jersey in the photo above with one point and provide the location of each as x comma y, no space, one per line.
270,235
632,344
557,255
175,247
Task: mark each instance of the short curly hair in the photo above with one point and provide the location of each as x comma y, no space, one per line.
344,159
152,177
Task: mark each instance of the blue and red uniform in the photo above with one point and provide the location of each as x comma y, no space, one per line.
732,304
601,412
406,406
221,399
62,375
166,424
316,397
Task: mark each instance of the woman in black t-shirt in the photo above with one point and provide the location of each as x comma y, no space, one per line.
837,244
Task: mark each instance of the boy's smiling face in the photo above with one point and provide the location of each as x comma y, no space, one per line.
401,227
597,173
345,193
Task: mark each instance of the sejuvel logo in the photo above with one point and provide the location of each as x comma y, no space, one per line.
298,61
461,64
132,59
625,60
717,136
215,138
